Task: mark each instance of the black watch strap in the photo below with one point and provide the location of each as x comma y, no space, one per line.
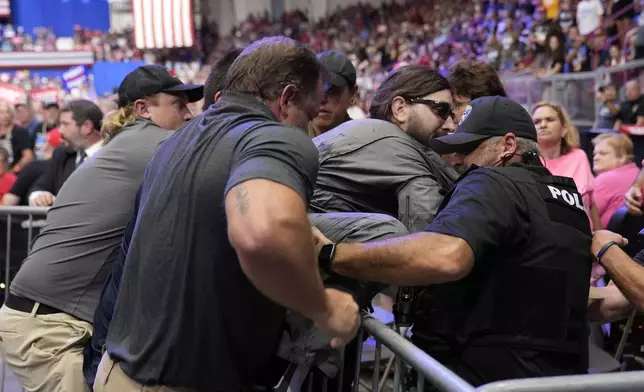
604,249
325,258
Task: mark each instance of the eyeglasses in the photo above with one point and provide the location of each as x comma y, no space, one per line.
331,90
441,108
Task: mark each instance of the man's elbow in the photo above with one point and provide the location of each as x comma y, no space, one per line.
264,237
455,270
251,241
454,260
457,259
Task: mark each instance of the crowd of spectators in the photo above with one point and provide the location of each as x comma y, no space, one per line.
543,36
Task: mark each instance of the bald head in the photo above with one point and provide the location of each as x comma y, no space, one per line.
633,90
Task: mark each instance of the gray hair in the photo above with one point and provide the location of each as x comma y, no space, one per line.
524,146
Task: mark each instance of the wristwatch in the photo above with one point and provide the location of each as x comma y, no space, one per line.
603,250
325,258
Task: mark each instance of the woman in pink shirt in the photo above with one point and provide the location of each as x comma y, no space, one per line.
613,164
558,142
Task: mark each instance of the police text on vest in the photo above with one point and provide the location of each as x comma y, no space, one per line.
572,199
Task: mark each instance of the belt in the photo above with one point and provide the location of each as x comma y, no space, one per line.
26,305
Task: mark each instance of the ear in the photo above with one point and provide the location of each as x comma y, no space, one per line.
509,147
288,97
400,110
86,128
353,93
564,132
141,109
217,96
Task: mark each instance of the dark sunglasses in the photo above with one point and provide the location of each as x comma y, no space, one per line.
442,109
331,90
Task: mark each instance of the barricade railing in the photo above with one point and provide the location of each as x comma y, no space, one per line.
29,215
608,382
574,91
404,355
20,211
408,355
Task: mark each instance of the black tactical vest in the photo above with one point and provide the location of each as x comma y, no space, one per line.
532,297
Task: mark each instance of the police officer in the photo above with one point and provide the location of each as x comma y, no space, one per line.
508,257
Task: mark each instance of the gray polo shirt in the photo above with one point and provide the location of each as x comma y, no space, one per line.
371,165
70,259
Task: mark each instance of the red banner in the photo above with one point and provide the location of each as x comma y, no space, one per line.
12,94
632,130
47,94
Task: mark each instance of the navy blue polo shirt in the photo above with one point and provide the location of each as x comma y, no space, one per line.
186,314
103,315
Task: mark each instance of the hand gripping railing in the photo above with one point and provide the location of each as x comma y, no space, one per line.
427,367
10,212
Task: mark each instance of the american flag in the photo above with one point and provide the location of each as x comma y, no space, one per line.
75,77
162,24
5,8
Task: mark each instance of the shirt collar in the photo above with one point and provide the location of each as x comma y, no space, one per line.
93,149
247,103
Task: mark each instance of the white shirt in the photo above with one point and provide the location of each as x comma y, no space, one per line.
589,13
89,151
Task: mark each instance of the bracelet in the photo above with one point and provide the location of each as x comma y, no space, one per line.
604,249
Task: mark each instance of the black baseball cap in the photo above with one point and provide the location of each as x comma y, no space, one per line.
50,104
148,80
484,118
341,71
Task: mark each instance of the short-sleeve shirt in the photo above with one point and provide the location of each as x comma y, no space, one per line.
69,263
17,142
186,314
483,200
575,165
490,212
629,111
589,13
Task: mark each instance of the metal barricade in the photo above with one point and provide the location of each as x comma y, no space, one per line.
9,213
612,382
574,91
408,355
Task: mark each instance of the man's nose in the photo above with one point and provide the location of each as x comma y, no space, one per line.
449,125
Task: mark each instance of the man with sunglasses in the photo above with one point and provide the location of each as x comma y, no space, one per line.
383,164
502,231
372,173
340,92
